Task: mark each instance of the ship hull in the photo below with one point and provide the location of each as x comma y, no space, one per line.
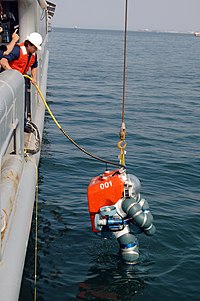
19,165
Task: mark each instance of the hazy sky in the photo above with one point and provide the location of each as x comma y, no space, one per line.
175,15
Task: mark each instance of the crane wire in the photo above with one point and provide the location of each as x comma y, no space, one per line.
122,134
124,70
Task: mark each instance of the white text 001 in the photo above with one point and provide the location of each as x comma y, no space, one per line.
106,185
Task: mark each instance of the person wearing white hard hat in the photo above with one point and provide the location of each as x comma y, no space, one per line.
23,56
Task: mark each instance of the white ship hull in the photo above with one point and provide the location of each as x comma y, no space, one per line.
18,175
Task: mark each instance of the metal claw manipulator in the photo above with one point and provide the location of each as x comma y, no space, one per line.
115,205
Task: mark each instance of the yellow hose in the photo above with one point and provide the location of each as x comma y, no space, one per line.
44,101
66,135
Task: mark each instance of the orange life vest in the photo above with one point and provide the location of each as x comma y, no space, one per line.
22,64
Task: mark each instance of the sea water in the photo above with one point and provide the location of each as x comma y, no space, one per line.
162,111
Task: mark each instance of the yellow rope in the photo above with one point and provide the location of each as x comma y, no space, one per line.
45,103
66,135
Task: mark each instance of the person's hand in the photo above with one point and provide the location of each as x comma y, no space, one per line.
33,81
15,36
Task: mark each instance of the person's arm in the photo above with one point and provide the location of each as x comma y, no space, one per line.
4,63
1,53
34,71
11,45
34,75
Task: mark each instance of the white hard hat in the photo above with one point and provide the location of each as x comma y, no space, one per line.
36,39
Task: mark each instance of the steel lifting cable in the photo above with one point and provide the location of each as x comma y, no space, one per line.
66,135
122,144
124,71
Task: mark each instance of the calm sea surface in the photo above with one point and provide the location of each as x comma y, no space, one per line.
162,115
